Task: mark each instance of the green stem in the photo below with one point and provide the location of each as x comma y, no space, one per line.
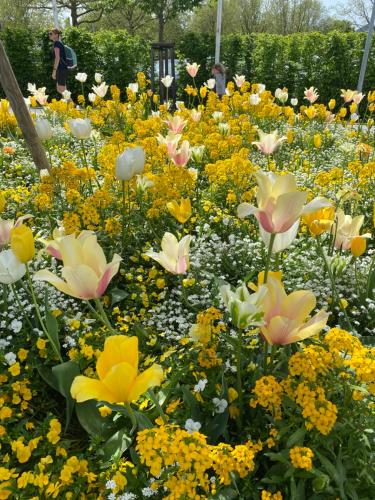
239,376
269,254
104,316
335,294
157,405
123,215
86,166
132,418
46,333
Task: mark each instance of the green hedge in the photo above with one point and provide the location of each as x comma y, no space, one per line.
327,61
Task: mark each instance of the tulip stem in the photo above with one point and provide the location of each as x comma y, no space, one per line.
239,376
123,215
37,310
157,405
132,418
103,316
86,165
269,254
335,294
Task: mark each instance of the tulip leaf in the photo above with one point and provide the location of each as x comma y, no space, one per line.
296,438
218,425
117,295
115,446
52,327
91,420
143,421
225,494
63,375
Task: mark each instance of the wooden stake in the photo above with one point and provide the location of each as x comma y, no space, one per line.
13,93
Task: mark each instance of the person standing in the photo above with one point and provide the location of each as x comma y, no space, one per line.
218,71
60,65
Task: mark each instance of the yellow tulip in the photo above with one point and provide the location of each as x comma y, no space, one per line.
117,369
332,104
358,246
278,275
286,316
317,140
182,211
22,243
320,221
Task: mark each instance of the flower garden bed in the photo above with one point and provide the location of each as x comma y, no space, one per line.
187,305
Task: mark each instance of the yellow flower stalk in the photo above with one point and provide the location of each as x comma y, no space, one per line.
118,379
181,212
22,243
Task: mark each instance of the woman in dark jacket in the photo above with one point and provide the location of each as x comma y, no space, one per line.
60,66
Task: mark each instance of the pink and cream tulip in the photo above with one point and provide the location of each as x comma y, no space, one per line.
239,80
286,317
170,141
85,269
182,155
348,95
176,124
280,205
174,256
268,143
6,227
311,94
192,69
346,228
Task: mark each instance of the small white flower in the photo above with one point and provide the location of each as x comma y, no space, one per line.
16,326
220,405
192,426
201,385
110,485
10,358
148,492
294,101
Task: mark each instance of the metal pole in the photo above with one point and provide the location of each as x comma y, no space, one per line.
218,30
55,16
367,50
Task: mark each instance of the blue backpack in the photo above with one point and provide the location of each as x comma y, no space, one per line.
71,57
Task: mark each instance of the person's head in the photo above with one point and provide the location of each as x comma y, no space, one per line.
54,34
218,68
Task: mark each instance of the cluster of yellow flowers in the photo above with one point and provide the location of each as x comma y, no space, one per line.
190,458
301,457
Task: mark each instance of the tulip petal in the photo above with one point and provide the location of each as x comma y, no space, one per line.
151,377
120,380
117,349
245,209
169,245
109,271
298,305
312,327
282,240
316,204
278,330
82,280
287,210
93,254
44,275
85,388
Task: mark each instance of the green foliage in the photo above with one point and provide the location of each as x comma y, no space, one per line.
327,61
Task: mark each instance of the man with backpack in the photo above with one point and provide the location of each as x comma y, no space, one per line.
64,60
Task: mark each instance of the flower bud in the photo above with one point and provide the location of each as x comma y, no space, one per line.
43,129
22,243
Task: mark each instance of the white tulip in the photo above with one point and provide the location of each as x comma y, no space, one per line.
129,163
98,77
167,81
211,82
134,87
92,97
100,90
261,87
281,95
66,95
294,101
254,99
81,77
11,269
80,127
43,129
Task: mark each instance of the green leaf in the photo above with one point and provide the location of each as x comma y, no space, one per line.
225,494
296,438
117,295
52,326
91,420
143,421
191,403
63,375
115,446
217,426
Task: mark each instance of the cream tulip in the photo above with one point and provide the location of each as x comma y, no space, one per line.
174,256
130,163
85,269
11,269
43,129
80,127
345,228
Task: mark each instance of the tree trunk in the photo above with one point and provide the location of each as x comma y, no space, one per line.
74,13
161,27
13,93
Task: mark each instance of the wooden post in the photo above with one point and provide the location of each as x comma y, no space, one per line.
13,93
